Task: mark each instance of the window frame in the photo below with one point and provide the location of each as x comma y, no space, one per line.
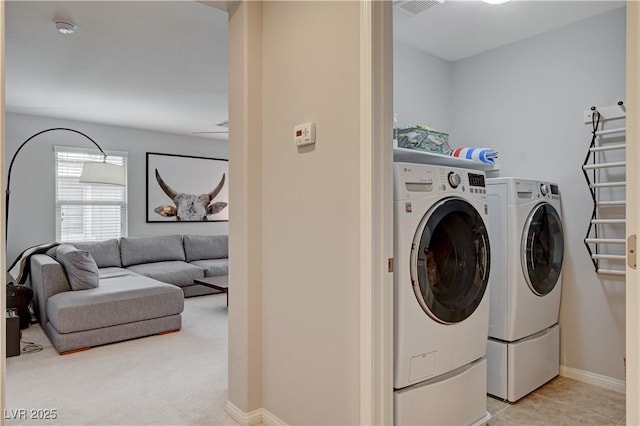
124,204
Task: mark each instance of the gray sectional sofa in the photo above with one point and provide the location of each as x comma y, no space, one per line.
140,290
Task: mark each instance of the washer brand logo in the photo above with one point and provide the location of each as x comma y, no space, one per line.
408,208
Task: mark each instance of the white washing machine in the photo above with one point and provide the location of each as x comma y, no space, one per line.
527,242
441,302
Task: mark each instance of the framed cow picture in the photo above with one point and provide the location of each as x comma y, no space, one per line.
184,188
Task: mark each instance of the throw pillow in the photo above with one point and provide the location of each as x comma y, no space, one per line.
80,267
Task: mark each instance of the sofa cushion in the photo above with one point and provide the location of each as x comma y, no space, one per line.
198,247
106,253
113,272
173,272
79,265
136,250
120,300
213,267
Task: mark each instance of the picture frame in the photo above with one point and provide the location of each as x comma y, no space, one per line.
182,188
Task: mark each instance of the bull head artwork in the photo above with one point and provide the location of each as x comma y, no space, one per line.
189,207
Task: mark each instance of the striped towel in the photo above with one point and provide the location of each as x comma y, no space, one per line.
483,155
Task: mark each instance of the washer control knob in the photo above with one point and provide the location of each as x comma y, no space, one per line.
544,190
454,179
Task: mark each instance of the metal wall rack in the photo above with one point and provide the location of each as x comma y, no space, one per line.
605,176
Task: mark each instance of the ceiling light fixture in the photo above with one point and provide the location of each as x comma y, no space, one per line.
495,1
65,28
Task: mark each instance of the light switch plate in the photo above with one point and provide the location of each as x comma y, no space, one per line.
304,134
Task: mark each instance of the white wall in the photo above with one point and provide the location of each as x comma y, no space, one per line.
527,100
311,213
32,206
307,202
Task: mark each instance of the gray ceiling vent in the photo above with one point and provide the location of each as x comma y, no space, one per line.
414,7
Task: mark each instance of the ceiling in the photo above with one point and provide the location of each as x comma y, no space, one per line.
158,65
458,29
163,65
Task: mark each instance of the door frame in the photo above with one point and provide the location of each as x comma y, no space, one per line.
3,251
632,278
376,213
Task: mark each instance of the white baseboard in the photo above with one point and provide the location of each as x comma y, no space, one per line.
255,417
267,418
270,419
245,419
593,378
483,421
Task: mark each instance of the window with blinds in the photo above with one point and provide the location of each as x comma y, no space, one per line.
86,212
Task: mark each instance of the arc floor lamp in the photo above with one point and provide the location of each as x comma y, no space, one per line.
92,172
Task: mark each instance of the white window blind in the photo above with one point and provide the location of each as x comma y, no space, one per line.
86,212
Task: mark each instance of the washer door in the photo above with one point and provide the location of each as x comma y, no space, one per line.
542,249
450,261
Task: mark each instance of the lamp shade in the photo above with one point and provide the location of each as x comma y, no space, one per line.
102,173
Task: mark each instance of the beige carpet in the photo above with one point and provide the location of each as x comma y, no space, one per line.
174,379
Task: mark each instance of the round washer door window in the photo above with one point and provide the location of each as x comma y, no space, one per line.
543,253
450,260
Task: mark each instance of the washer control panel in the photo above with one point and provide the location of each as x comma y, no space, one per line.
454,179
476,179
460,180
414,181
544,189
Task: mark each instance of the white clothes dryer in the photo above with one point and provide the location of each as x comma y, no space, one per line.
527,240
441,303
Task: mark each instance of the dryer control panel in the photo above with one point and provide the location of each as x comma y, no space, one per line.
539,190
522,191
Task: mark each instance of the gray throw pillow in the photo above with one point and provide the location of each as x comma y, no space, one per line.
81,269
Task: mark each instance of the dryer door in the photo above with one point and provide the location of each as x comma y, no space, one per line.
450,261
542,249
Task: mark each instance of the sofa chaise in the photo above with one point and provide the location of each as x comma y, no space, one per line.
141,285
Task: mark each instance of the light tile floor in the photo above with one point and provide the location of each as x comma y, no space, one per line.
562,401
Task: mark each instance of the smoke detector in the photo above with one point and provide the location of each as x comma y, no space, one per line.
65,27
415,7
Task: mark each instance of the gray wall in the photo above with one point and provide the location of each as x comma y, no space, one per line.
422,86
32,207
526,100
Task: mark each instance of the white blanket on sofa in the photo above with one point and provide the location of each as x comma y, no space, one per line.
19,269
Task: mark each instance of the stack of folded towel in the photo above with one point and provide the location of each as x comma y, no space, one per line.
483,155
